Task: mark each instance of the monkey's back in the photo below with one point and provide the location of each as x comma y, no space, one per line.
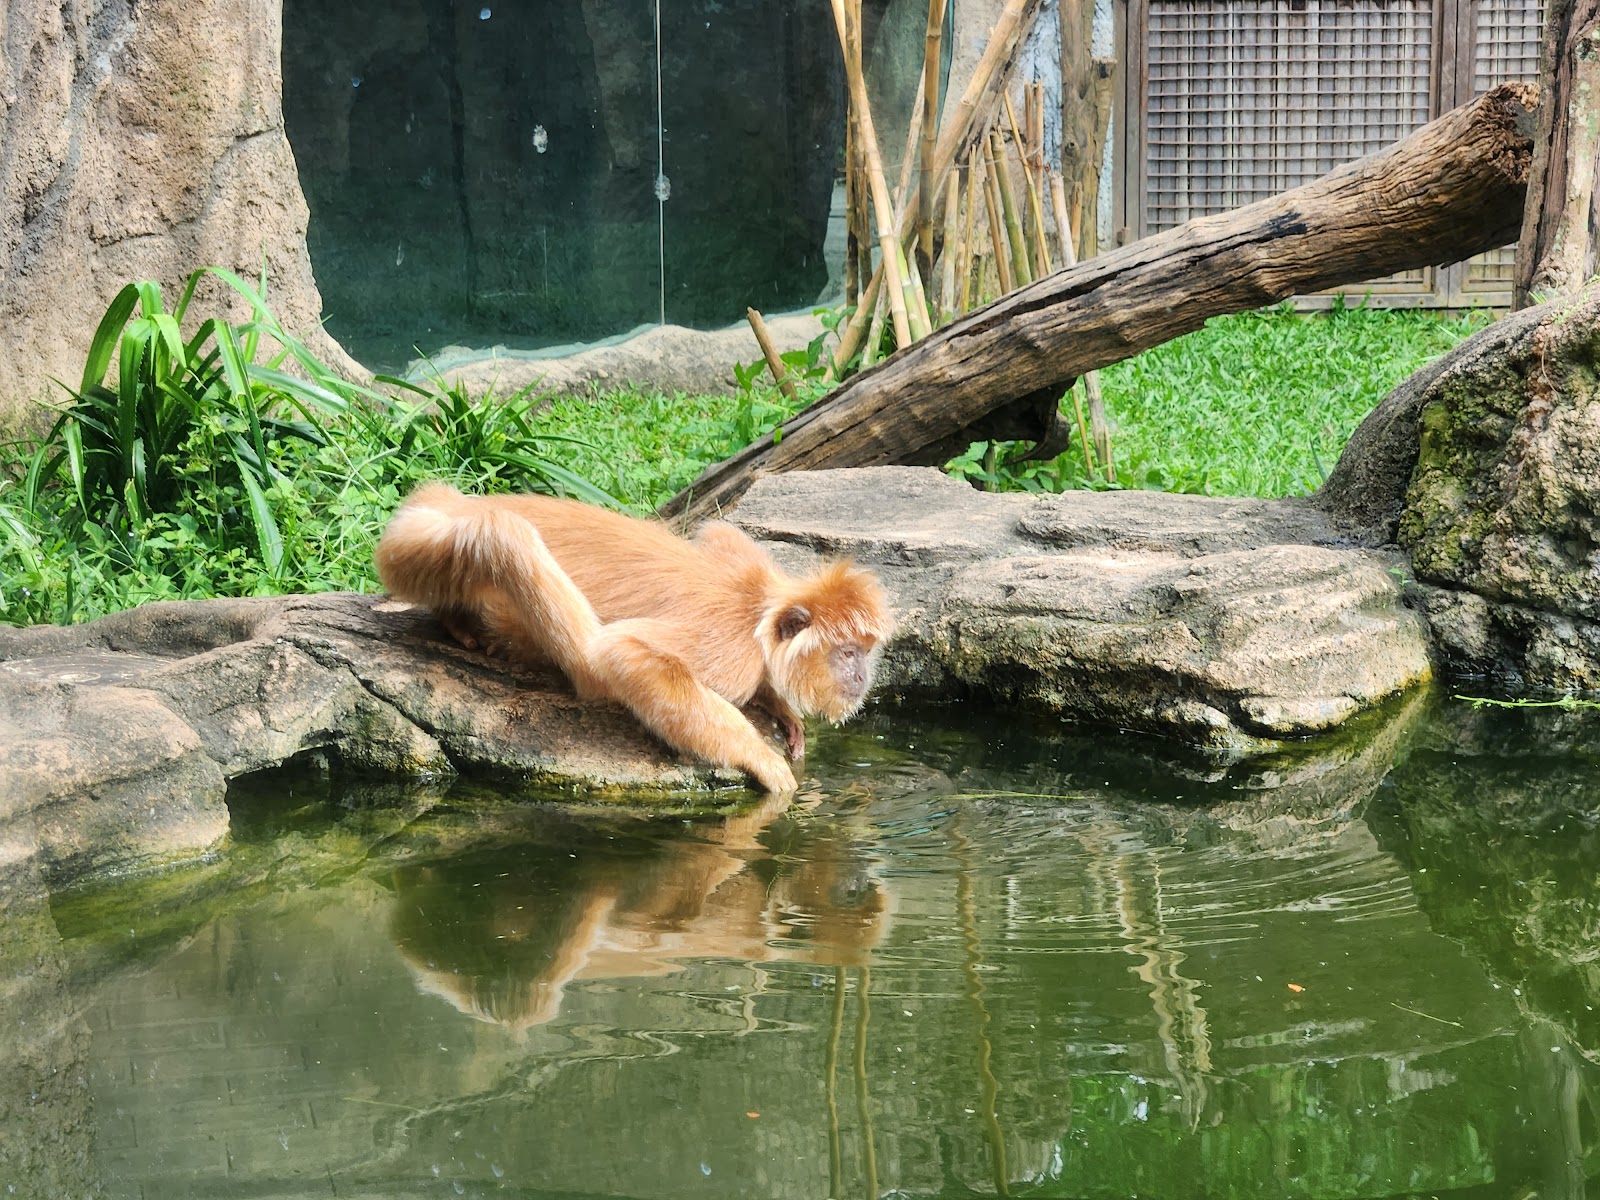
631,567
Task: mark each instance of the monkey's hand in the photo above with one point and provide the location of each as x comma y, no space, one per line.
772,773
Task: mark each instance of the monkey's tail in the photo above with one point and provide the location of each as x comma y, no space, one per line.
471,555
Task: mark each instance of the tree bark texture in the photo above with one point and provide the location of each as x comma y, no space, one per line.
1561,226
1451,189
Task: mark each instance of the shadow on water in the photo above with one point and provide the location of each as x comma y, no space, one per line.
982,955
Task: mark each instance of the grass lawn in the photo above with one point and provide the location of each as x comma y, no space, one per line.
1259,404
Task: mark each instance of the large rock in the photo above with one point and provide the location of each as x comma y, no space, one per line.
138,142
122,733
1229,623
1232,624
667,358
1485,468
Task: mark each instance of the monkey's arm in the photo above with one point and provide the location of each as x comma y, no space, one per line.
631,661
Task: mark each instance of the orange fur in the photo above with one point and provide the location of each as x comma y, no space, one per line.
684,633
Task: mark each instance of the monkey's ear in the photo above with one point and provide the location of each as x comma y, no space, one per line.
792,620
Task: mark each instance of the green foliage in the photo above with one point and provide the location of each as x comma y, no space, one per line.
1562,702
233,462
1259,404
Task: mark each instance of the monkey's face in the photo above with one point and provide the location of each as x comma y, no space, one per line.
826,679
821,641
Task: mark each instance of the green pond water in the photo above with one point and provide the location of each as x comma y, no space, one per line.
980,955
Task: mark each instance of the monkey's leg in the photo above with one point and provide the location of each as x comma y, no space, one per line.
794,730
469,558
663,693
534,607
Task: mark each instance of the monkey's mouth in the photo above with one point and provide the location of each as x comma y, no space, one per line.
845,706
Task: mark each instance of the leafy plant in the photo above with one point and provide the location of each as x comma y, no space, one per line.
234,462
181,410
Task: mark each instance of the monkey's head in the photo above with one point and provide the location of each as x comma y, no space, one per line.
821,638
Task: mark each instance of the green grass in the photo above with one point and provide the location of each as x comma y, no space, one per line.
214,471
1259,404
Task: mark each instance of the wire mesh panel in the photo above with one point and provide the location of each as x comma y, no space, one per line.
1247,98
1505,44
1231,101
1505,47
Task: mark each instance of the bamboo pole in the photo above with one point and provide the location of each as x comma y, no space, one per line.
952,247
1041,172
862,215
888,239
1041,261
969,247
1008,207
930,129
1058,202
997,236
1030,237
1099,422
770,353
869,353
852,261
850,342
917,310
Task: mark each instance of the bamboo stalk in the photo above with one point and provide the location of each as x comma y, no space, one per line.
1083,433
1041,256
888,239
852,264
952,247
1041,173
997,236
1025,161
851,341
1099,429
930,128
1008,207
908,156
862,215
869,353
770,353
916,299
1058,202
968,246
1099,423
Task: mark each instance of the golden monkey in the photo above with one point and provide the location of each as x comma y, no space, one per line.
683,633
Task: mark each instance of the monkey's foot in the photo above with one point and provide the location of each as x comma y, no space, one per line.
794,733
464,629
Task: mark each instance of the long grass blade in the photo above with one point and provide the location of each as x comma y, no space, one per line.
103,346
269,538
567,483
234,367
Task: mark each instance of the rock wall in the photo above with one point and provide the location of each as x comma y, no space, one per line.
1485,469
137,142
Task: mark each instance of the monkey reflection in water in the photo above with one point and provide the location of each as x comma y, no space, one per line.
588,902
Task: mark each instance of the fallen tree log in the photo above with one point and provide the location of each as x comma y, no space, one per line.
1451,189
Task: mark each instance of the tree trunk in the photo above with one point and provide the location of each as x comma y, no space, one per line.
1561,228
1453,188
